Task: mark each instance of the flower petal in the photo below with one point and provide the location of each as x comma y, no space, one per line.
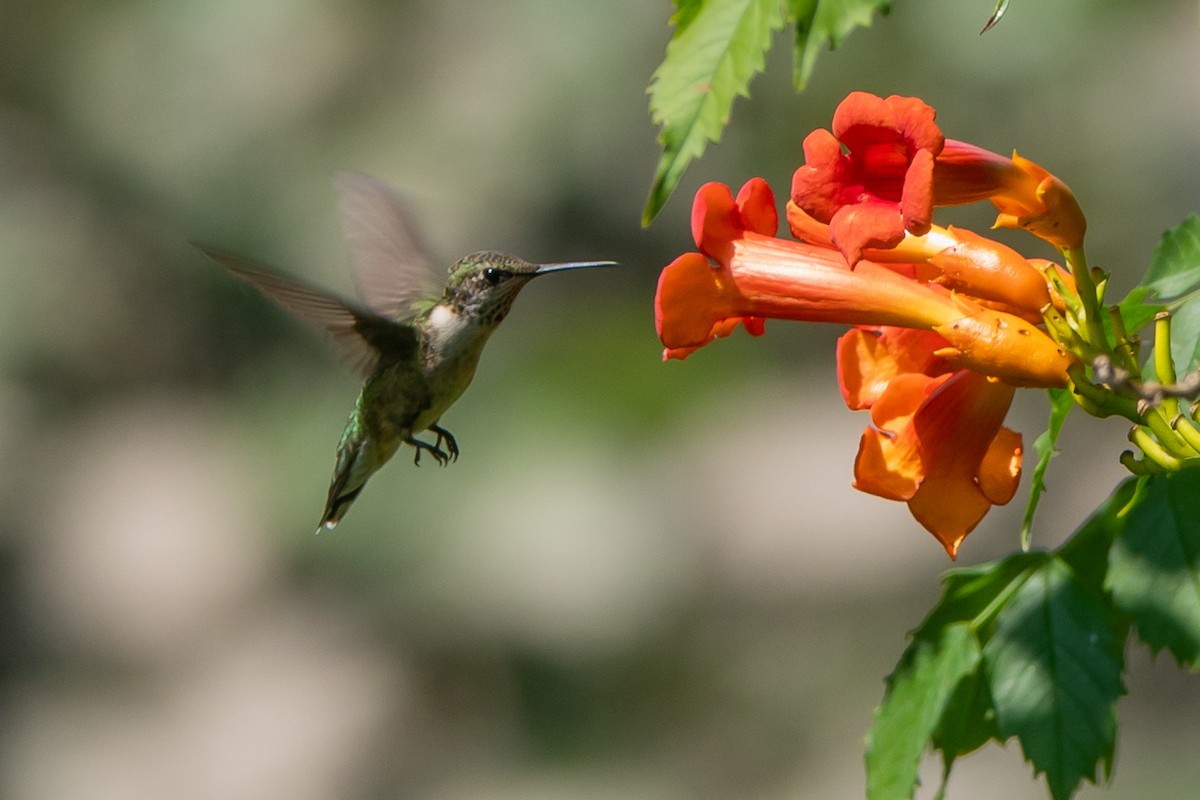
1000,472
884,470
868,359
883,185
819,185
890,461
715,221
867,223
863,118
916,201
690,300
756,207
695,303
957,426
949,508
937,443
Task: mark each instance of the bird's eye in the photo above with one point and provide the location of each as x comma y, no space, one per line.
493,276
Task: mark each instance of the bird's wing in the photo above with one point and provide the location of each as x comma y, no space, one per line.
391,260
358,333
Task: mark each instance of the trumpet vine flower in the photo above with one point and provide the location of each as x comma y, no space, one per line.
871,178
744,274
937,441
935,366
960,259
945,323
886,165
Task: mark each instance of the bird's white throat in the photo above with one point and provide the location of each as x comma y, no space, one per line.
448,329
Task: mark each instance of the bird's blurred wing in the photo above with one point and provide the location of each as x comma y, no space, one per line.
358,333
391,260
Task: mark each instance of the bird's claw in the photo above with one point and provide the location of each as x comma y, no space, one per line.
444,435
439,455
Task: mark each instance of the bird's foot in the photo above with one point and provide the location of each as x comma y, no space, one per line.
439,455
444,435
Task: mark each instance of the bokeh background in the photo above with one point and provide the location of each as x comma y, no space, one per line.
641,580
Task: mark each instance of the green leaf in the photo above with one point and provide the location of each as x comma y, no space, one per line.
959,711
1185,336
1175,265
970,594
1061,404
968,723
918,694
1087,551
685,12
1154,566
712,56
1054,669
1174,279
826,22
1136,310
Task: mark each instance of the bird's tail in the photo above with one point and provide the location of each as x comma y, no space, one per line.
358,458
338,503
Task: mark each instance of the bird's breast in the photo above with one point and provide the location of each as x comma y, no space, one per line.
452,348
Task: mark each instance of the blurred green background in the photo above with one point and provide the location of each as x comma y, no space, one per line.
641,580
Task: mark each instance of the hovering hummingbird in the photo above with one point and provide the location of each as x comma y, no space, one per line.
415,341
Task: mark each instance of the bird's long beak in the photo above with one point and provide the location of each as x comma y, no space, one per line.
544,268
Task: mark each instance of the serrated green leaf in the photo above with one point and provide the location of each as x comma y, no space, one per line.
821,23
970,599
1174,279
1087,550
969,592
968,723
1054,670
1137,311
1061,404
710,61
1185,336
917,696
1175,265
1154,566
685,12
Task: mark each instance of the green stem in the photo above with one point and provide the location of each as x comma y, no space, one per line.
1168,437
1153,450
1164,367
1099,401
1139,466
1126,348
993,608
1187,431
1093,330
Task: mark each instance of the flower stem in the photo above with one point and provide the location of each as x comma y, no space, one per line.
1126,349
1166,434
1089,297
1187,431
1100,401
1164,367
1153,450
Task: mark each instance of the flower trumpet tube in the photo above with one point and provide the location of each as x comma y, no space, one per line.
756,276
963,260
988,269
1026,194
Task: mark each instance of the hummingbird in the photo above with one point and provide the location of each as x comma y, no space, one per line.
415,337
